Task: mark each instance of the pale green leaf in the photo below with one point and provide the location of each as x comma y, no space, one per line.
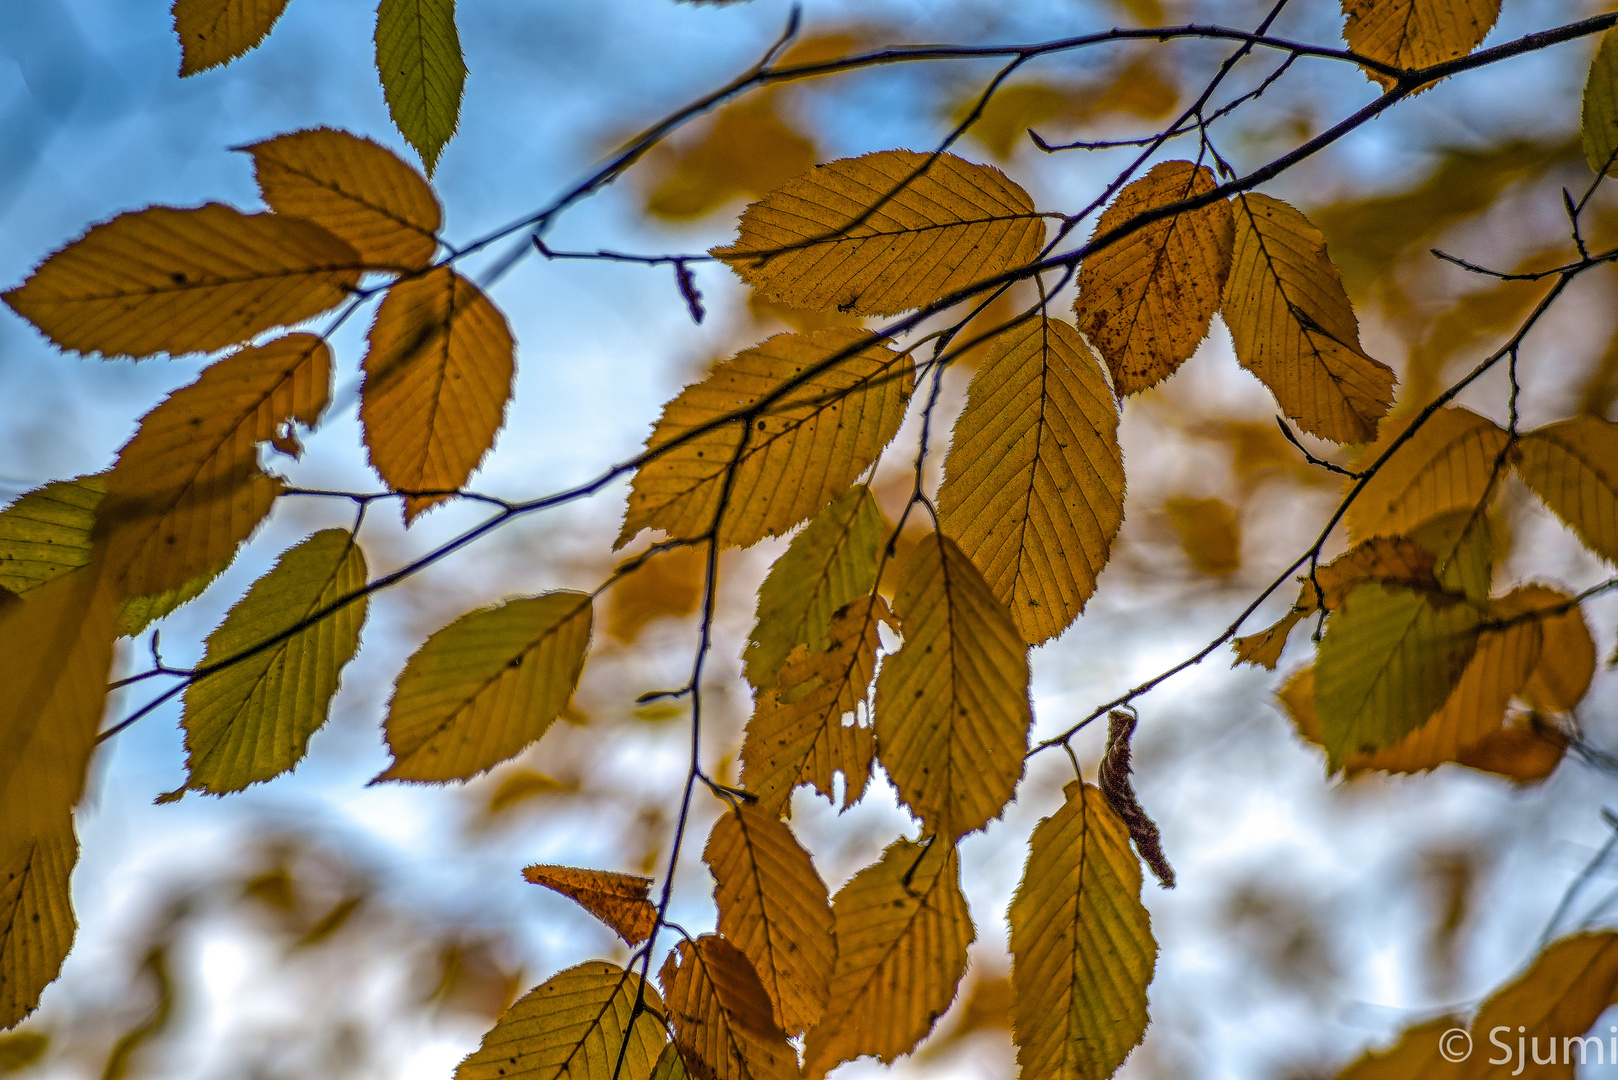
1599,129
418,54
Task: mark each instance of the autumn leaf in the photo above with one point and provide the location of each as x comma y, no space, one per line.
750,148
181,281
438,374
1210,533
1417,1054
797,734
36,913
1564,992
883,233
187,490
1448,465
1390,658
46,533
1416,33
619,900
574,1026
486,686
356,190
418,55
722,1015
1146,301
952,711
1463,552
1599,126
251,721
773,907
801,452
829,564
1573,466
1034,482
1568,659
1294,328
214,32
1081,944
666,586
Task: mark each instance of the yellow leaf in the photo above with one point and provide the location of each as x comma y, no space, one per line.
749,149
773,907
1416,33
46,533
830,564
55,654
1002,128
1567,662
20,1049
1081,944
214,32
36,913
1416,1056
1449,464
1034,482
251,721
1210,533
1573,466
418,54
802,452
1599,129
668,585
670,1066
1293,326
1265,647
1463,552
1560,997
180,281
1525,750
722,1016
486,686
619,900
1145,302
187,490
355,189
574,1026
797,734
952,712
1389,660
816,243
438,374
902,932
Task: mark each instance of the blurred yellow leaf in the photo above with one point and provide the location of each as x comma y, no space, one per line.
1573,466
773,907
1526,750
817,242
214,32
619,900
902,932
828,565
668,585
797,734
952,709
485,687
749,149
418,55
1034,482
1416,33
1294,328
802,452
252,720
1002,128
187,490
438,374
357,190
574,1026
1560,997
1567,662
1146,301
181,281
20,1049
1210,533
36,912
1448,465
722,1015
1081,944
517,786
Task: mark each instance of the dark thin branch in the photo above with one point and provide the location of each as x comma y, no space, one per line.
1329,466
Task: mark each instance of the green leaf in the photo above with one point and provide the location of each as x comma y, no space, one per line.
418,54
1388,661
1600,114
1463,552
829,564
46,533
486,686
251,721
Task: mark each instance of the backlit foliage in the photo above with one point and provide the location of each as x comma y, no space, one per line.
893,648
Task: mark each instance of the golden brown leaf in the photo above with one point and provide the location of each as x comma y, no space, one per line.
1081,944
187,490
1448,465
180,281
438,374
666,586
1034,482
952,711
1210,533
1294,328
36,913
797,734
1416,1056
902,933
214,32
619,900
1416,33
750,148
942,225
801,452
355,189
1573,466
1569,986
722,1016
1526,750
1146,301
1567,662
